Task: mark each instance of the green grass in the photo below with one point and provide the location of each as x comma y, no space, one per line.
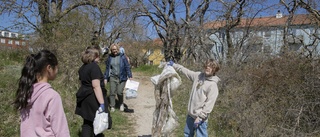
148,70
9,73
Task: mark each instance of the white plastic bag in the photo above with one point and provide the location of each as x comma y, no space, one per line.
131,89
100,122
130,84
131,93
168,72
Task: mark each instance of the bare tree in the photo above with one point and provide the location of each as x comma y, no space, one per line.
291,7
232,21
49,12
234,31
294,6
310,6
168,17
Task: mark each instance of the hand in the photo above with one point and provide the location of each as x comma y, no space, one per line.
170,63
101,108
197,122
105,82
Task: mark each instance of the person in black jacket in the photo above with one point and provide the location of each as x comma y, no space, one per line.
92,94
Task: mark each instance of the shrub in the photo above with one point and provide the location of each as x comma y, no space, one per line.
273,97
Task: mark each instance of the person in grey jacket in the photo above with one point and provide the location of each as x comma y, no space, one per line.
202,98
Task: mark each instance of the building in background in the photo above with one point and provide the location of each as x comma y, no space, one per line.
154,54
266,35
12,40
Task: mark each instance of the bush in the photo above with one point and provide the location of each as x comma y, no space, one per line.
274,97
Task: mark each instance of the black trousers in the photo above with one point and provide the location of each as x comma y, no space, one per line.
87,129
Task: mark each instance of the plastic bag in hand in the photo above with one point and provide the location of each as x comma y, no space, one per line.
131,93
100,122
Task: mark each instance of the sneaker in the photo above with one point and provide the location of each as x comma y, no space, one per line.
112,109
121,107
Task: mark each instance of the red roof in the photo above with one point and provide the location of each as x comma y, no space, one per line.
157,41
272,21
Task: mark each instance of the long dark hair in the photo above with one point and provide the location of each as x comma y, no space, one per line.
34,65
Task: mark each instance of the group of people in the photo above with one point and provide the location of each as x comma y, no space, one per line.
92,93
41,108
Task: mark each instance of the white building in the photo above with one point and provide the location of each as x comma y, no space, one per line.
266,35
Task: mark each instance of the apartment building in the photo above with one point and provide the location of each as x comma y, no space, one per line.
12,40
266,35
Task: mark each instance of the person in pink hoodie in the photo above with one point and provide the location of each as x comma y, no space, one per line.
40,106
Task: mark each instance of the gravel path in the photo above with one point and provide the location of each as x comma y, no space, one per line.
143,105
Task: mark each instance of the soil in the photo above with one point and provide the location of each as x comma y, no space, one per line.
143,105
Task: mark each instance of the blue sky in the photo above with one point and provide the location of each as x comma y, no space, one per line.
6,21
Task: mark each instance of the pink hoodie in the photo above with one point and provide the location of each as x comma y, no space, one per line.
44,115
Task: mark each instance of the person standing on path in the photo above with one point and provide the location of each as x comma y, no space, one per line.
40,105
203,96
117,73
92,94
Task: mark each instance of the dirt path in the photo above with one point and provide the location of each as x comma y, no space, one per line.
143,106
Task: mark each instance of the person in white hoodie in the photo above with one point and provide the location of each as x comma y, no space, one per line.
203,96
42,113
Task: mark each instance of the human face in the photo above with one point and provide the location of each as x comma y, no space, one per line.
208,71
114,50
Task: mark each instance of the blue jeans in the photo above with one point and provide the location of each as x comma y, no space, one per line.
189,129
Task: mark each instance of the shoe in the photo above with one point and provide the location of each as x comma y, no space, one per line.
112,109
127,110
121,107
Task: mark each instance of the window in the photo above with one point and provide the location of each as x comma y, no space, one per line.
13,35
150,51
292,31
221,35
6,34
219,49
3,41
254,48
17,42
267,49
267,34
10,42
